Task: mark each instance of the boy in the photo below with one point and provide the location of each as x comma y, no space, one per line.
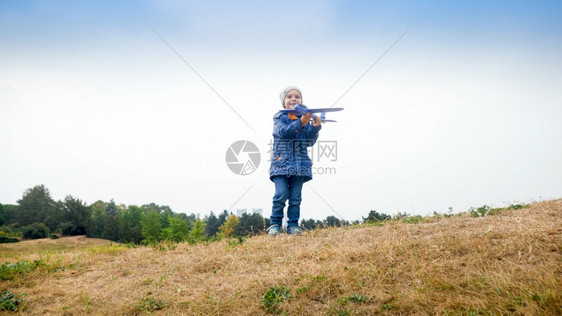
290,164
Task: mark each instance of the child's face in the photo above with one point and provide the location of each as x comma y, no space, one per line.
292,98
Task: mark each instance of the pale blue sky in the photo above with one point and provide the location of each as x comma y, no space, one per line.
463,111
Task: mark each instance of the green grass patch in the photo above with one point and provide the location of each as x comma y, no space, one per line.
149,304
233,242
273,297
357,298
488,211
10,271
413,219
10,301
302,289
112,249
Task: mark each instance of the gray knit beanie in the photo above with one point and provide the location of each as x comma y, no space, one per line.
286,90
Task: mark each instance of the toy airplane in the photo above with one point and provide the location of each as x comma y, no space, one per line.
303,111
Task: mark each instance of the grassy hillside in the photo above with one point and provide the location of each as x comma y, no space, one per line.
508,263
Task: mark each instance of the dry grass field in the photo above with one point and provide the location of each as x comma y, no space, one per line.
48,246
506,264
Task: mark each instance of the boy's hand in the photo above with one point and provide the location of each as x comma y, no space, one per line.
305,119
317,121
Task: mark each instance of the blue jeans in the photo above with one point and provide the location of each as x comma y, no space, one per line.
287,187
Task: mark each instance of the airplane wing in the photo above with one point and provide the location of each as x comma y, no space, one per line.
305,110
325,110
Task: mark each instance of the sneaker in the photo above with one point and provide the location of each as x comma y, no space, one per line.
294,230
273,230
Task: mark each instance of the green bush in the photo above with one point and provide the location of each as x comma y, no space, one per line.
517,206
375,216
10,231
6,238
69,229
35,231
479,212
66,228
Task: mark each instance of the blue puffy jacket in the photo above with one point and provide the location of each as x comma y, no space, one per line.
290,142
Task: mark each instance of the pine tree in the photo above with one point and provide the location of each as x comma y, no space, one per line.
212,227
196,232
111,222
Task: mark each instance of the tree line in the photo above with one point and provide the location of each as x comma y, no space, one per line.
38,215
